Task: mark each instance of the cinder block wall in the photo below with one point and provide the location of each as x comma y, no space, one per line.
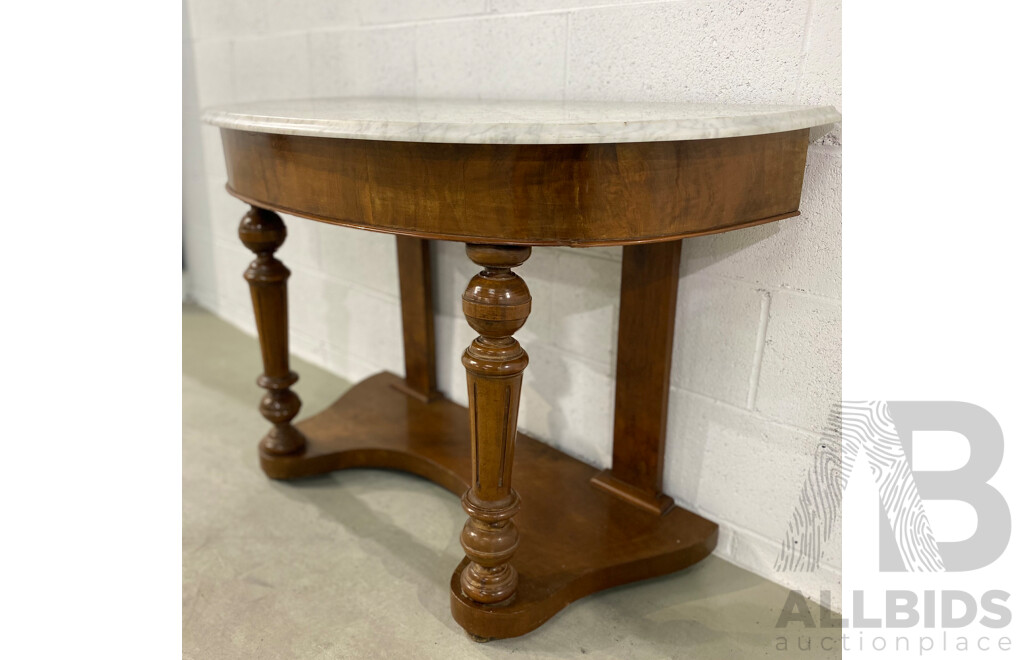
757,347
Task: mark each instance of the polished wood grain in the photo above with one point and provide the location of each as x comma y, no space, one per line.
647,321
496,304
574,530
604,194
576,539
415,284
263,232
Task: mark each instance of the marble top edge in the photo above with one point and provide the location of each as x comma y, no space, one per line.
515,122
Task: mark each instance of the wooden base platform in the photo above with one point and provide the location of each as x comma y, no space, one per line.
575,539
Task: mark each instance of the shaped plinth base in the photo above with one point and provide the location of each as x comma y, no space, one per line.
575,539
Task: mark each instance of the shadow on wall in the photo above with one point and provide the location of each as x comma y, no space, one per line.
719,247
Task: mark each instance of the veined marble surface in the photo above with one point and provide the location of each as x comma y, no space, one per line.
517,122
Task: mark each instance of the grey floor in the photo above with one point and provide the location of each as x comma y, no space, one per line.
356,564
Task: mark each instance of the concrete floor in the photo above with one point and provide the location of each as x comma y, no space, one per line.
356,564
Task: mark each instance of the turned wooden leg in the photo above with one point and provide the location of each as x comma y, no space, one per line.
263,232
496,304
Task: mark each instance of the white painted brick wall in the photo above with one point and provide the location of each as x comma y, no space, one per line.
757,348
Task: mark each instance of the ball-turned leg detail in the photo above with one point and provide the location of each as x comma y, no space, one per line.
496,304
263,232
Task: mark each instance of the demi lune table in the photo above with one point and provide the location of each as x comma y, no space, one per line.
503,177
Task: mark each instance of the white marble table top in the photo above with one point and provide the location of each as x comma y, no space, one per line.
516,122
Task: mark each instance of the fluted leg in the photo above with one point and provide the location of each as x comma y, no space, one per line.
263,232
496,304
